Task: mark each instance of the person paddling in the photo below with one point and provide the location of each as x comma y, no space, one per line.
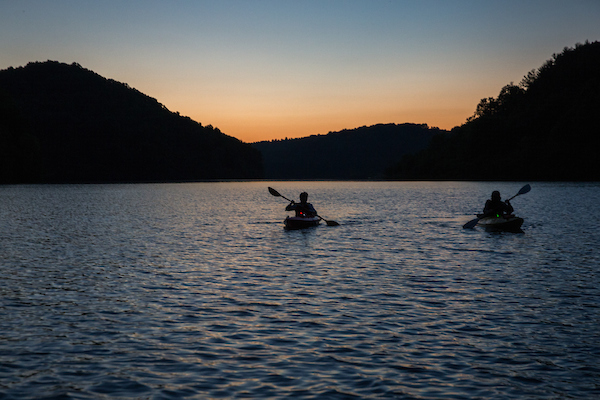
495,205
302,209
311,208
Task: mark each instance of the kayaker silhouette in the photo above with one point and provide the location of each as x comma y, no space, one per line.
302,209
495,205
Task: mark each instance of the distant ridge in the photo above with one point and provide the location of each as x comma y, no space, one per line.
545,128
360,153
64,123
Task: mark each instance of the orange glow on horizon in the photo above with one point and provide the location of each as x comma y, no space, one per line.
253,117
255,128
257,131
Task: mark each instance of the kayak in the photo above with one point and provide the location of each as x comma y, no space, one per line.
301,222
502,223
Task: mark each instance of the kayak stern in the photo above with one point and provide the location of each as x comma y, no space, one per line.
507,223
301,222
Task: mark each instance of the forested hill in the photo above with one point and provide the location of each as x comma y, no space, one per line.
361,153
545,128
64,123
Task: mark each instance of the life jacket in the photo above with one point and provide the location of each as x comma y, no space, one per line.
303,212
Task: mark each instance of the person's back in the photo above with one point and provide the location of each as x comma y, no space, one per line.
495,205
302,209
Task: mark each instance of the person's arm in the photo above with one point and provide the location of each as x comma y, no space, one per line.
487,208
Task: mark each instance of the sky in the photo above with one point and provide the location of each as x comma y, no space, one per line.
274,69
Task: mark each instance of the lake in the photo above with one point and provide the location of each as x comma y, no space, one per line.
195,290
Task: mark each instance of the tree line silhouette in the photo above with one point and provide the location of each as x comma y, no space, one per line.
64,123
360,153
545,128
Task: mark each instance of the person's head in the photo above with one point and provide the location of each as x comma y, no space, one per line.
495,195
303,197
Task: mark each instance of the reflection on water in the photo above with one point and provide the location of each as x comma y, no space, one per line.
197,291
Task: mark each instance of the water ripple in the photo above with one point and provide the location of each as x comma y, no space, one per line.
175,291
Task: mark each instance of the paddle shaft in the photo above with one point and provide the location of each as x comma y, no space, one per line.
291,201
515,196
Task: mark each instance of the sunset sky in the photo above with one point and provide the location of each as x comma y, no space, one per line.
262,70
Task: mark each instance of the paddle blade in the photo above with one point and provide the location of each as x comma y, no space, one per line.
471,224
331,223
525,189
274,192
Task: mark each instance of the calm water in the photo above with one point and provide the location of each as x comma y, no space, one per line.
196,291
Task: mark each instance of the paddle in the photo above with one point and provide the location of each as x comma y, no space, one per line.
277,194
471,224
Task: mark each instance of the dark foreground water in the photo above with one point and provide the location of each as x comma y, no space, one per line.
196,291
